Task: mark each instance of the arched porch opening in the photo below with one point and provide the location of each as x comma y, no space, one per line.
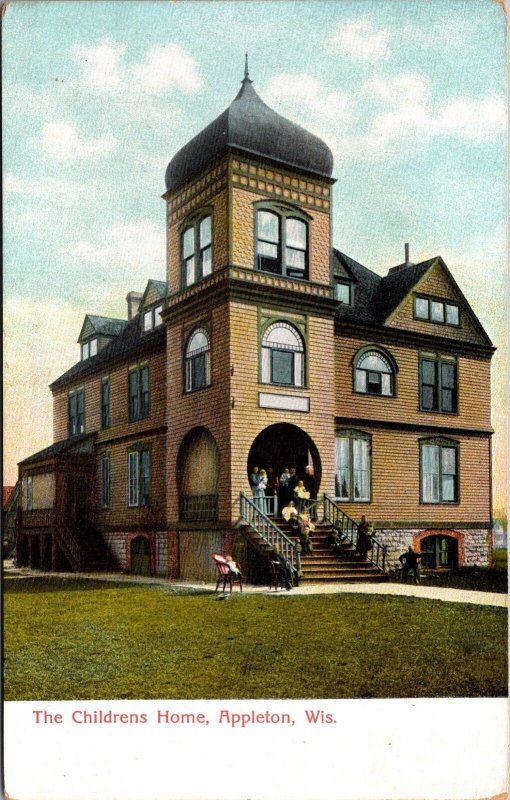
440,550
284,446
198,465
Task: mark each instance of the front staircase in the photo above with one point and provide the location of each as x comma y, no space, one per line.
324,565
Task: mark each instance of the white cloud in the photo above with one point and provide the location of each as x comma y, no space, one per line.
62,142
132,245
165,67
304,93
360,39
101,63
54,191
410,115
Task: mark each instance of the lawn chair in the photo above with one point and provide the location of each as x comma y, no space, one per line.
225,574
276,576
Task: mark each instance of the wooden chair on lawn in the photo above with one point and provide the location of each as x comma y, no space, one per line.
225,574
276,576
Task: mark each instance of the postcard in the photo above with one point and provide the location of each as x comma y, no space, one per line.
255,441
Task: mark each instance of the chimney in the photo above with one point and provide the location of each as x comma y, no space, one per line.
406,263
133,302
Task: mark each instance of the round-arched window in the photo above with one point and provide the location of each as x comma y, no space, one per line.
283,355
198,360
374,374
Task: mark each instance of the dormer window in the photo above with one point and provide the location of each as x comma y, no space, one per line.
88,349
281,243
152,318
439,311
196,245
343,292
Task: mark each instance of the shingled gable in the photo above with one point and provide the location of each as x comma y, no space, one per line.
101,326
396,287
154,291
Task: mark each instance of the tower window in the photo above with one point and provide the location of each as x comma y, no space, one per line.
196,244
281,243
283,355
197,361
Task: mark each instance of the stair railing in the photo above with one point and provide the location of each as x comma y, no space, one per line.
340,520
268,531
69,544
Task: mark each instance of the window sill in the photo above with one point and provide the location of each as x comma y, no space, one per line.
439,413
186,392
373,394
289,386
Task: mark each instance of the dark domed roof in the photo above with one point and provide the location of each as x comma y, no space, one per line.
249,125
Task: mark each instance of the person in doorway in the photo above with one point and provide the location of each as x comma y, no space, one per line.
283,489
254,479
259,493
271,489
311,488
364,541
409,561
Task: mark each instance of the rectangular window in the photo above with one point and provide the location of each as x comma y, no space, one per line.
30,492
139,477
343,293
105,403
85,351
437,311
282,367
353,470
452,315
438,473
438,385
421,307
188,256
105,481
152,318
139,393
76,411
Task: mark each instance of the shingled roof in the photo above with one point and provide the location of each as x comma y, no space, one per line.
81,443
130,342
106,326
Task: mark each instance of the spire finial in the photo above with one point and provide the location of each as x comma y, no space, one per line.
246,78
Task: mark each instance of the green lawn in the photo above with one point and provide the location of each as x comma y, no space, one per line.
77,639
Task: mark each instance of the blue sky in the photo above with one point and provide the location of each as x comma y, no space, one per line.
98,97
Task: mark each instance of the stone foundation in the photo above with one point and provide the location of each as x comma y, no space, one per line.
473,545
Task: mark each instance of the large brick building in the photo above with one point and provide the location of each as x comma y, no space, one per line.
268,347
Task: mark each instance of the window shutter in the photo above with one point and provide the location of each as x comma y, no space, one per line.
133,463
145,477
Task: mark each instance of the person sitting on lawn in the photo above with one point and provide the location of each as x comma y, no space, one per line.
233,566
283,566
305,528
410,564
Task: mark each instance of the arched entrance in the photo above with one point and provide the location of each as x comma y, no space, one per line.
140,556
284,445
198,476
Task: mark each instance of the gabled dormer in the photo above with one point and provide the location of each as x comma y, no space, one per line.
151,306
344,278
97,332
426,299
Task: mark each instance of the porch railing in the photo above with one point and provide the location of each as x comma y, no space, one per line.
198,508
37,518
348,528
270,533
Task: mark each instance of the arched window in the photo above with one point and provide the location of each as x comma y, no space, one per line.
198,360
281,243
374,374
196,247
283,355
